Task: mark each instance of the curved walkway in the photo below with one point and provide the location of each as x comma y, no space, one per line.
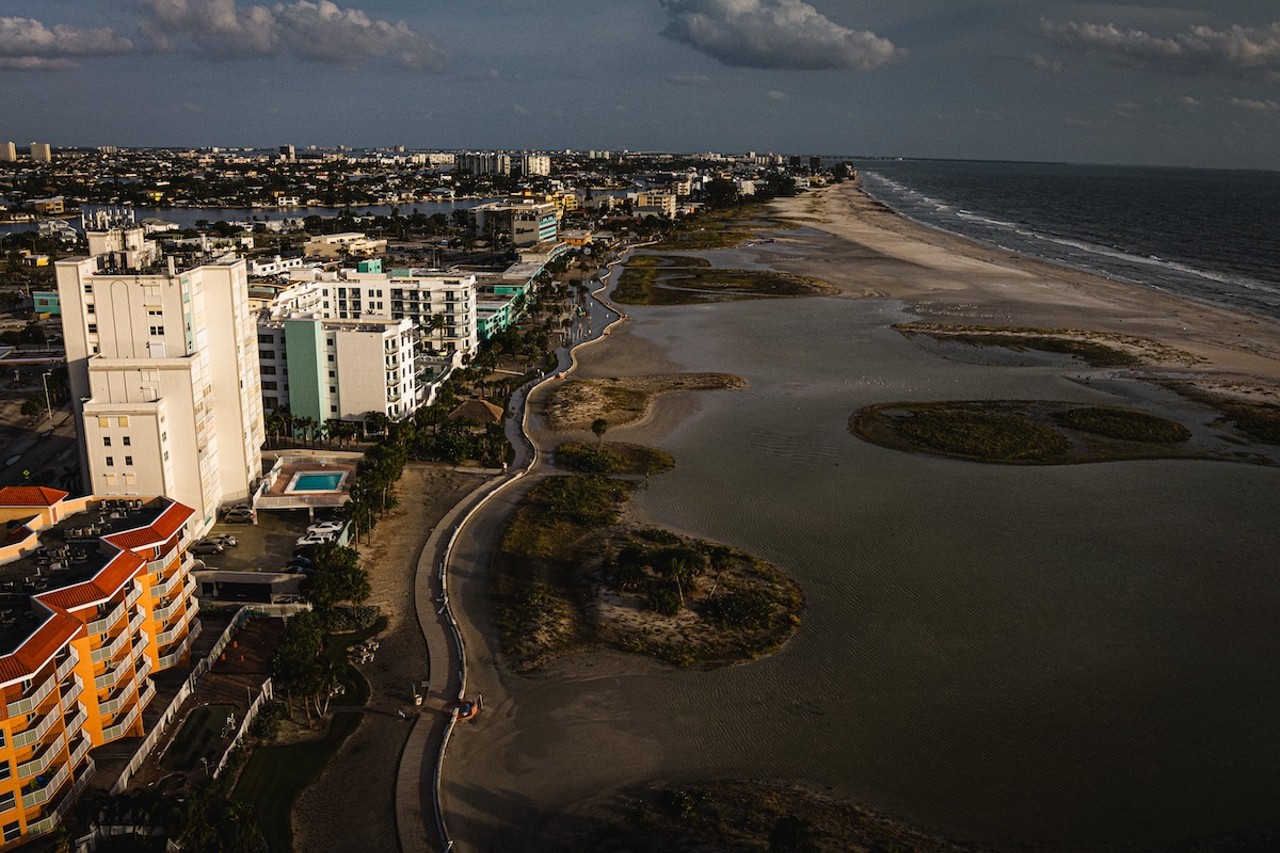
419,820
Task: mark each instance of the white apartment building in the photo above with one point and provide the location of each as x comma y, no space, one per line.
535,164
8,152
661,203
345,369
484,163
41,152
441,305
163,367
349,243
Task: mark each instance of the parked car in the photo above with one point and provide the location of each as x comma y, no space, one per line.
311,539
240,514
206,548
226,540
305,551
327,527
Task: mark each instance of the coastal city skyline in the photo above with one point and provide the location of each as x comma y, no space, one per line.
1179,84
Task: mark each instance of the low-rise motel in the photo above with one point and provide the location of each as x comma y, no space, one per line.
95,596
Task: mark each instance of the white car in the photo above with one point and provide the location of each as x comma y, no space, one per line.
326,527
312,539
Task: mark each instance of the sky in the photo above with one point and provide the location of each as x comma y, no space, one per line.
1152,83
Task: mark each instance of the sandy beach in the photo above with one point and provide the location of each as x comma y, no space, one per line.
549,746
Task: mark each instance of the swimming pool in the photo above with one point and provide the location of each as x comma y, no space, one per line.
316,481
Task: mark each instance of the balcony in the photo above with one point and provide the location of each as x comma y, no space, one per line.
163,613
54,816
132,596
166,637
35,796
108,652
41,760
111,677
148,689
144,669
36,733
136,622
29,703
80,750
73,690
175,655
101,626
123,697
76,721
120,728
68,663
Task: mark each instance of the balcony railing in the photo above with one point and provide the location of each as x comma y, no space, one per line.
136,622
111,706
118,730
80,750
36,797
108,652
175,656
30,703
54,817
68,664
166,637
76,722
148,689
74,689
110,678
41,761
144,667
101,626
132,596
37,732
163,613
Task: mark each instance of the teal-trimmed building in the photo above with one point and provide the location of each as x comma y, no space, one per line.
46,302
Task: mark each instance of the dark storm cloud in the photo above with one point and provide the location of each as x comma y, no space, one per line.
787,34
31,45
316,32
1240,51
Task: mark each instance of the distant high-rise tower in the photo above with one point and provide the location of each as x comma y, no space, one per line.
8,152
41,152
163,367
287,152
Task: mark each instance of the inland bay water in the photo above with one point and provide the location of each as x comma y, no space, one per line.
1069,655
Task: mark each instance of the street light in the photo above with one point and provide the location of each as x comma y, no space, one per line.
49,405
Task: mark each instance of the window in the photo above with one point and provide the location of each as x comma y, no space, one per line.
267,354
268,369
12,831
333,389
166,456
131,479
93,328
111,461
111,479
332,357
89,308
124,421
266,339
127,441
269,386
333,410
128,460
157,331
154,312
5,770
106,441
332,374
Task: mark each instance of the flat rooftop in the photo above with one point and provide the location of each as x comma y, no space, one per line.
70,552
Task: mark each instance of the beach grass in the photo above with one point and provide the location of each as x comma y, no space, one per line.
621,400
662,280
1096,349
1124,424
741,815
568,575
613,457
1030,432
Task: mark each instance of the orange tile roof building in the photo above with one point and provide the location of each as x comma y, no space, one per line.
95,595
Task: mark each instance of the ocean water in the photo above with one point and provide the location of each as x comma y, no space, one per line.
1205,233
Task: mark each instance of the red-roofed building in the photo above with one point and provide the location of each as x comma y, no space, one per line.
95,595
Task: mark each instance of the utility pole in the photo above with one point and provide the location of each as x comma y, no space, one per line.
48,404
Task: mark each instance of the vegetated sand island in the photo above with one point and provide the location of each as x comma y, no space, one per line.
537,752
623,400
1236,422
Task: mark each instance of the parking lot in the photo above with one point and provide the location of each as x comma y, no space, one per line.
263,547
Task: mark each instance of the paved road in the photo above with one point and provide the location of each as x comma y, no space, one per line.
475,523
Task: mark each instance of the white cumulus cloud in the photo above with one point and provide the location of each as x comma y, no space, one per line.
1237,50
773,34
321,31
31,45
